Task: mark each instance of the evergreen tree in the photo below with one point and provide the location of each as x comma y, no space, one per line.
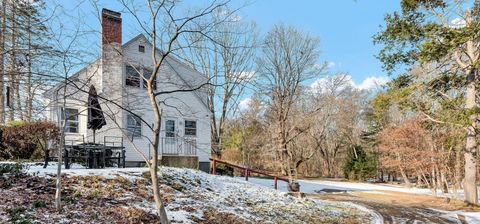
425,33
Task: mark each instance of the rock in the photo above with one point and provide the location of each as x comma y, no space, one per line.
177,186
297,194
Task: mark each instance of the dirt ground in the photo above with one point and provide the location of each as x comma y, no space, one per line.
396,207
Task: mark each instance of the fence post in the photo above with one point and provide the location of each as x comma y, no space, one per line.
214,167
246,174
275,184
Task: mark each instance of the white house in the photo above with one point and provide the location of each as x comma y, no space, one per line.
118,78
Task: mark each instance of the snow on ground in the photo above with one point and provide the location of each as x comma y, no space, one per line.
198,195
470,217
315,186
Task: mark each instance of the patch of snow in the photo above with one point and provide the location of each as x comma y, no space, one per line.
313,186
201,191
470,217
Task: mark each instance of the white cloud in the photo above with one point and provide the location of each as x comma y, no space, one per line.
330,64
233,17
373,82
344,81
244,104
458,23
319,83
246,75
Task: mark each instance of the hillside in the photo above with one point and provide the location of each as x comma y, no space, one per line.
124,195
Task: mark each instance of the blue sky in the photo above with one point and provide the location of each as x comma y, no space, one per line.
345,27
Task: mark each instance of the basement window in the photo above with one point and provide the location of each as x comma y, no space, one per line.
141,48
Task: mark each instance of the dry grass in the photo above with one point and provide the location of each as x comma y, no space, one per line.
417,200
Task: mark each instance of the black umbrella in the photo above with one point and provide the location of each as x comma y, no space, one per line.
96,120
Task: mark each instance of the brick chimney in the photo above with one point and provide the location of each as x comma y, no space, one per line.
111,27
112,66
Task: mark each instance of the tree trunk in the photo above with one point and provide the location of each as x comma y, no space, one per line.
12,66
60,112
2,63
470,186
433,181
156,140
419,180
405,178
29,94
16,78
444,182
458,168
221,126
156,192
293,185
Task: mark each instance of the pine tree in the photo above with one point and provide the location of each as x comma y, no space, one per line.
423,33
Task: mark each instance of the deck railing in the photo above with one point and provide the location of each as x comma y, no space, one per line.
178,146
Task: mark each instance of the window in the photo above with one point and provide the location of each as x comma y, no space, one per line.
132,78
70,116
147,73
169,128
134,126
141,48
190,128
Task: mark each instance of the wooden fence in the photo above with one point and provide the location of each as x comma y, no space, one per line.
246,171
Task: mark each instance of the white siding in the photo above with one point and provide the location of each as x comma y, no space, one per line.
180,106
111,85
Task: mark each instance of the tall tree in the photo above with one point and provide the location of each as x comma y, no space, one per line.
25,54
2,60
288,58
13,73
428,32
166,29
336,126
226,59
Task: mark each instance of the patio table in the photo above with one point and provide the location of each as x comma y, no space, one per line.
95,155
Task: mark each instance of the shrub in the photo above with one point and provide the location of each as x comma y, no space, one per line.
224,170
39,204
27,140
12,169
359,165
18,215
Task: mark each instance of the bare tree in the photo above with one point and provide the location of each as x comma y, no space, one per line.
165,28
2,60
288,58
26,53
225,58
66,54
337,121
